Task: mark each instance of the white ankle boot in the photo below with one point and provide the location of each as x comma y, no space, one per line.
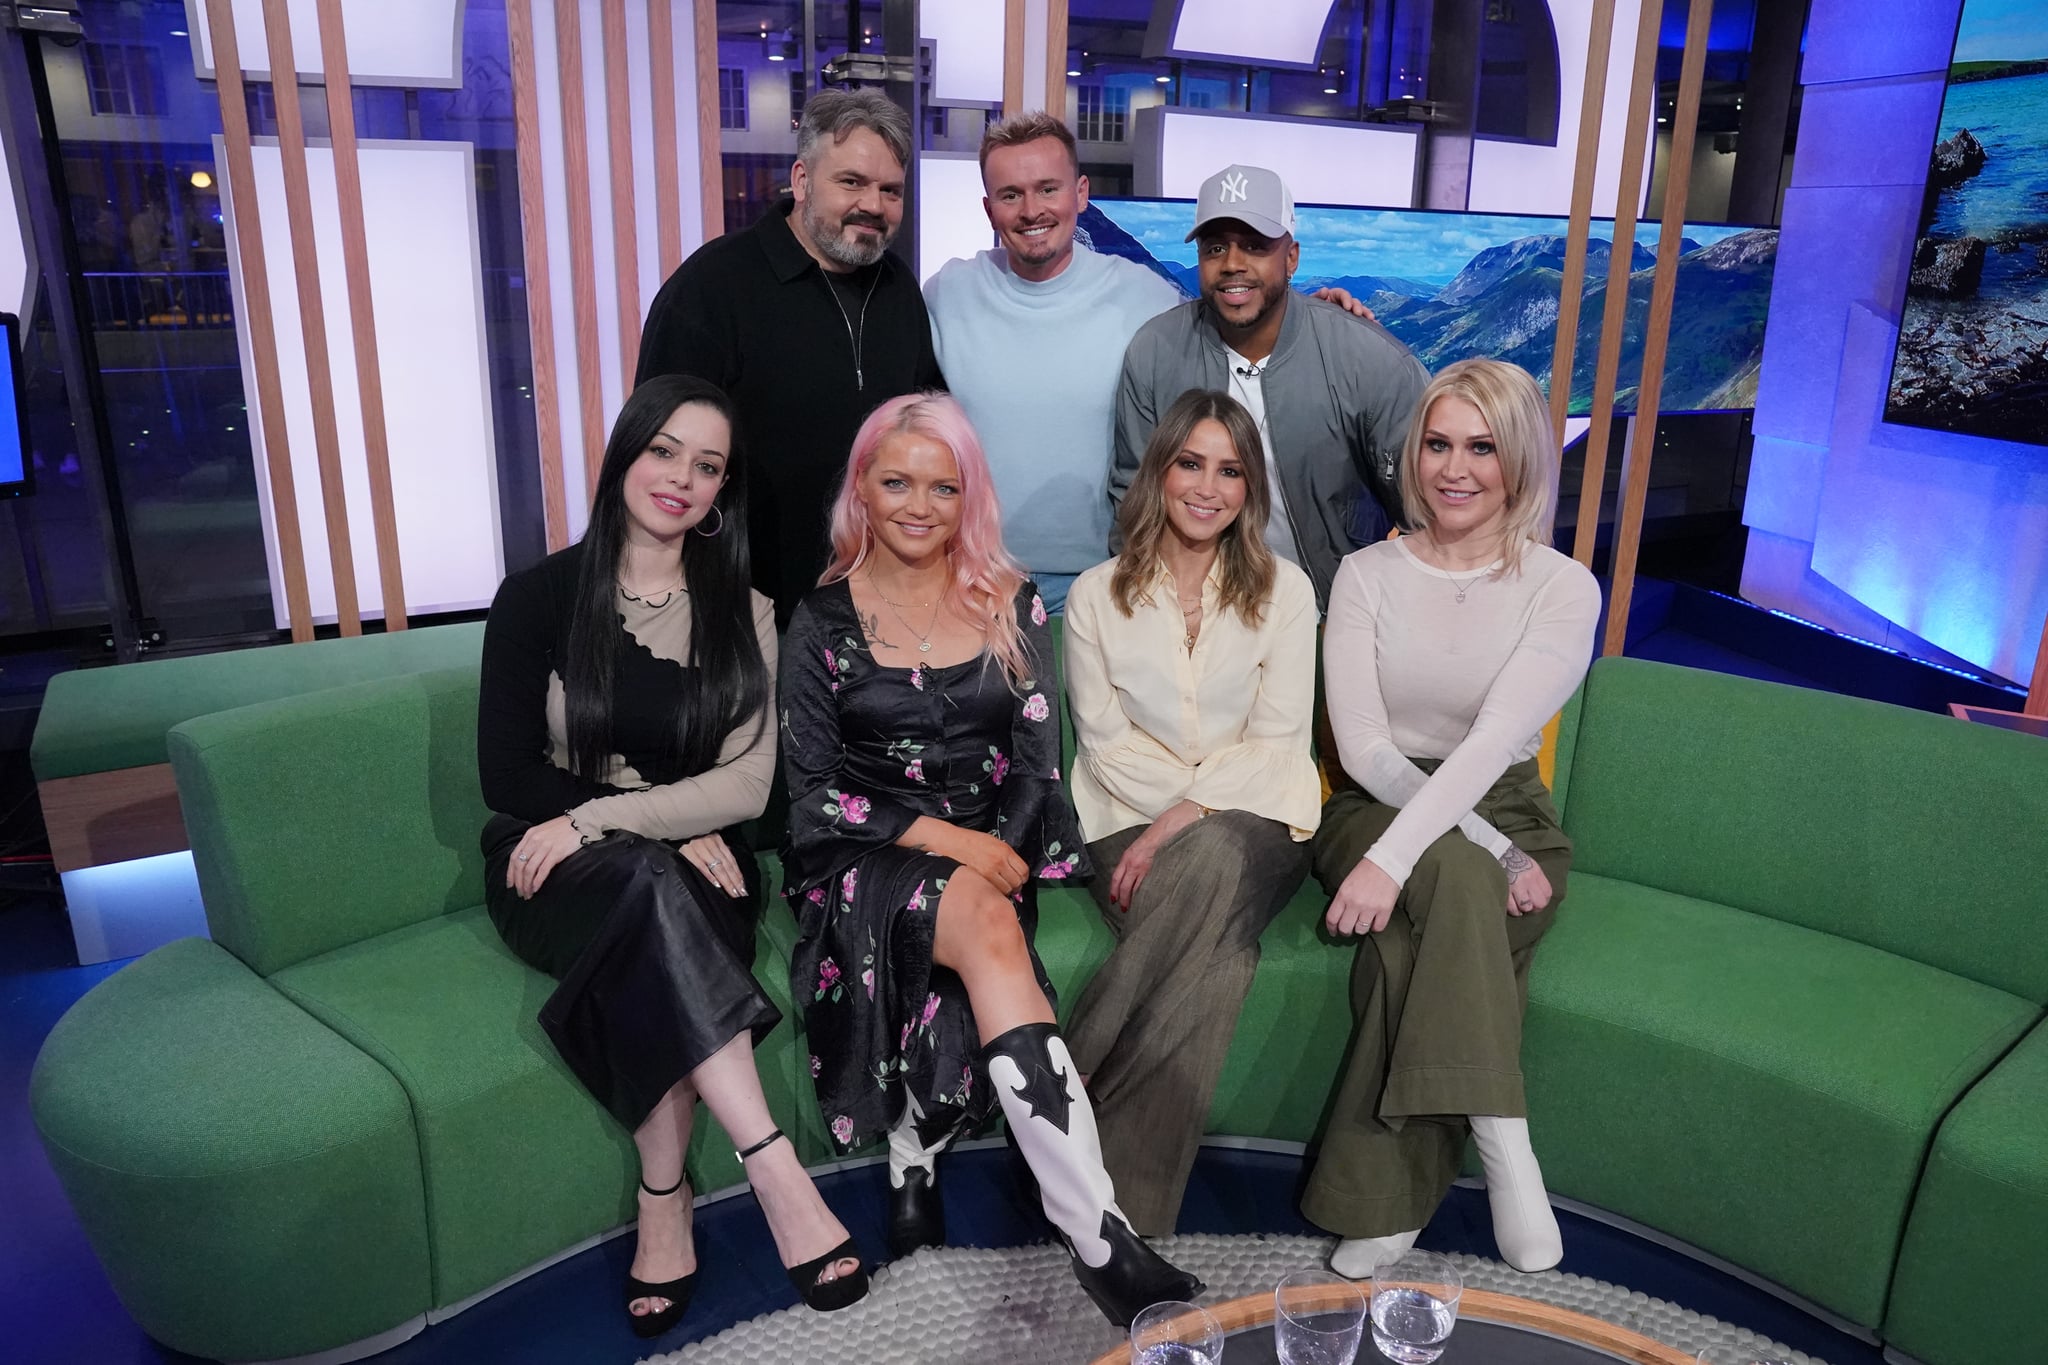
1359,1258
1523,1224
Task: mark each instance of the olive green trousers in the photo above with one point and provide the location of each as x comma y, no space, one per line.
1438,995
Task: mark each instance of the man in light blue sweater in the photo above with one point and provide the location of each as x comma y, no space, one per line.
1031,337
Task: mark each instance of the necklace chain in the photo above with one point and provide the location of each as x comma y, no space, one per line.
668,595
924,637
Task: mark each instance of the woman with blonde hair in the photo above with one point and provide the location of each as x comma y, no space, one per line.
921,743
1191,681
1445,653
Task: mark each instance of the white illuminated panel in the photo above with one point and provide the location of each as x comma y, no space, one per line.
950,219
127,909
1521,177
969,36
419,210
1286,31
390,42
1366,165
14,248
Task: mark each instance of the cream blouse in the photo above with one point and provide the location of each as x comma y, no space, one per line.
1226,726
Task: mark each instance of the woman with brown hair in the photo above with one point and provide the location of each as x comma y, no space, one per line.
1191,681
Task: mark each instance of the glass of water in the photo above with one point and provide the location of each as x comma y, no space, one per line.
1318,1319
1415,1306
1176,1334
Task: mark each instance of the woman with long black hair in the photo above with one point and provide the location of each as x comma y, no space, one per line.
624,732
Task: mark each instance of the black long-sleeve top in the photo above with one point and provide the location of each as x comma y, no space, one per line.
803,361
521,741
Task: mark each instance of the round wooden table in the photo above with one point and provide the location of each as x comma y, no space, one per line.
1493,1329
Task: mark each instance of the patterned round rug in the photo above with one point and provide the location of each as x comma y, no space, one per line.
1021,1306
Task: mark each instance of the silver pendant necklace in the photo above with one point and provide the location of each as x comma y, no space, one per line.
1460,589
924,638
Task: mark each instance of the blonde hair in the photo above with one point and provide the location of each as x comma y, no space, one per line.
1245,562
1518,418
1018,129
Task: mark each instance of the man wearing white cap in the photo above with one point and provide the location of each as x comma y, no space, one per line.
1332,393
1031,336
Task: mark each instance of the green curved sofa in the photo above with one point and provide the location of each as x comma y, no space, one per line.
1791,1015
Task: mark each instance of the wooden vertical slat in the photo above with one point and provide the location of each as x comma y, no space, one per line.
540,303
1056,57
710,158
1642,103
2037,690
1642,446
1571,292
298,212
355,252
1013,57
277,458
625,229
582,254
668,205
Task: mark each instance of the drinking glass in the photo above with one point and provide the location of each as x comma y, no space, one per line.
1318,1319
1176,1334
1415,1306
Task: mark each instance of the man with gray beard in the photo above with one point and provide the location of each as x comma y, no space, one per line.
808,323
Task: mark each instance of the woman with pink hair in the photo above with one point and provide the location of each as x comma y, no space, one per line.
921,743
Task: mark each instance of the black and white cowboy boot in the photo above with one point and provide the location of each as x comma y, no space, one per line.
1054,1127
917,1216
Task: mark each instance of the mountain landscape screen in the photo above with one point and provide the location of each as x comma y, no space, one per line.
1457,285
1973,337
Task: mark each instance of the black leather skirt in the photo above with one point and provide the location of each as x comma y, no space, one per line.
655,963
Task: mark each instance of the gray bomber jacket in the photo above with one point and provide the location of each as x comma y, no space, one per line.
1339,391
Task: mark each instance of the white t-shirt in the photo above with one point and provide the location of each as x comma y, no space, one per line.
1250,390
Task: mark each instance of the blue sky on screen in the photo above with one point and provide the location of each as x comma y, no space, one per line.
2003,31
1417,246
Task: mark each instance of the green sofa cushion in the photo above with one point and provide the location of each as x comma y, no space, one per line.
1295,1029
250,1180
1910,832
1760,1090
1970,1281
98,719
453,1014
326,819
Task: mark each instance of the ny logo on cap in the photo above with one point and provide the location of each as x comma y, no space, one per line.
1233,189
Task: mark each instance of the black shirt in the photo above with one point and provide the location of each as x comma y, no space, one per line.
803,361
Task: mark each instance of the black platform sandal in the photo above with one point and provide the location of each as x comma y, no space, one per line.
677,1292
830,1295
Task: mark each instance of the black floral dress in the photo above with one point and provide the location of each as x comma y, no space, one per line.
867,748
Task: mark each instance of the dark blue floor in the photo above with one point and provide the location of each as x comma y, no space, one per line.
56,1307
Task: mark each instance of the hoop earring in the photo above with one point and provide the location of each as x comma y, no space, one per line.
721,523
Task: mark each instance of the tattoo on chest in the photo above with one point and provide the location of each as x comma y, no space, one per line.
871,626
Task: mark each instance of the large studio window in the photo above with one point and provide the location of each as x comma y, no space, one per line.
1101,112
125,79
732,97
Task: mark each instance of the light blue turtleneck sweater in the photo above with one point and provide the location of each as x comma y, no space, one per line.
1036,367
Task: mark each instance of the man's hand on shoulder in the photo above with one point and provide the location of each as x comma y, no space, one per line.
1342,298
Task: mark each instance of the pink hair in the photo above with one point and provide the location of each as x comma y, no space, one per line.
985,578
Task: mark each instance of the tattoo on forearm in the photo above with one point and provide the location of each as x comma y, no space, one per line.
1516,862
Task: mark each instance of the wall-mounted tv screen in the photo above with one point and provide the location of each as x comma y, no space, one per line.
1457,285
1973,337
14,470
